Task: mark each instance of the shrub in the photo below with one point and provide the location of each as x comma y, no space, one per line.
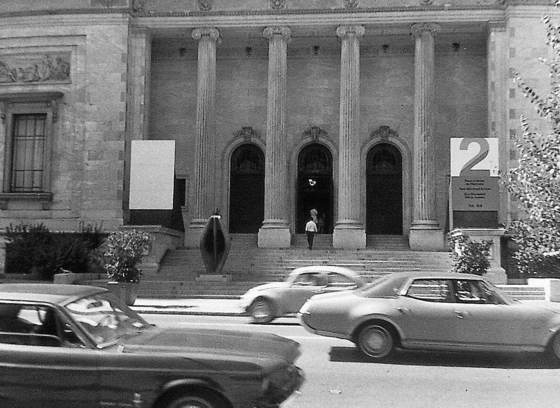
469,256
123,253
34,249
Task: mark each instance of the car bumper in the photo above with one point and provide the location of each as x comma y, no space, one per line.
282,388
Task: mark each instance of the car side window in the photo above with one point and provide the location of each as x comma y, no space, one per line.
431,290
473,291
336,280
309,279
33,325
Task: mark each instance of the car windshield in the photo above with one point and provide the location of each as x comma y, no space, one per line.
105,319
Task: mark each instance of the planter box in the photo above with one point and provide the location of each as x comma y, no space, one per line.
127,292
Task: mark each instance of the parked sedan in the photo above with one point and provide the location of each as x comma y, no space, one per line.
66,346
266,302
445,311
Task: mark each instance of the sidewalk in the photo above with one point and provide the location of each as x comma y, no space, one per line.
189,306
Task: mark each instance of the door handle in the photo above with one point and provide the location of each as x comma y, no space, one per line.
459,315
403,310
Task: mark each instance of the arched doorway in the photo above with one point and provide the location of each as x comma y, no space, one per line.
384,214
315,187
246,190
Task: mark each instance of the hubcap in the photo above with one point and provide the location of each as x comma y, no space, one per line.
376,341
556,346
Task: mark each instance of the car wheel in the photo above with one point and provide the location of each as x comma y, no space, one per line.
196,400
375,341
261,311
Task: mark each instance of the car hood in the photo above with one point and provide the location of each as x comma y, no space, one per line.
215,341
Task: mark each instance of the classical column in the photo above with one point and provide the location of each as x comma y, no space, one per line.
275,231
203,204
425,233
498,79
349,231
138,96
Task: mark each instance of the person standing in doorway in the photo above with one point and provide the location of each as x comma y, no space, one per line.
310,230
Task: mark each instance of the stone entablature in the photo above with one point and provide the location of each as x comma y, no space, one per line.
170,7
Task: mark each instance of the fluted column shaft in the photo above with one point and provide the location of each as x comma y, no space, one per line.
348,139
497,48
276,166
424,182
205,128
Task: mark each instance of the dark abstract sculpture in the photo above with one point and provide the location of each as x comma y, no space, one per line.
214,245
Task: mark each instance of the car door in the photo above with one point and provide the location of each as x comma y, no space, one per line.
425,313
44,369
302,288
485,321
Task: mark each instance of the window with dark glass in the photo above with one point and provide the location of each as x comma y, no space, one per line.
28,153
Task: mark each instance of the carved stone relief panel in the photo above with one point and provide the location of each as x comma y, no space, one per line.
278,4
351,4
27,68
205,5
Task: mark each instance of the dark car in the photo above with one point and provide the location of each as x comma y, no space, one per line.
70,346
434,311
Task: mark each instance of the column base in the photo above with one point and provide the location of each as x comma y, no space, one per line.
274,235
426,238
349,236
193,233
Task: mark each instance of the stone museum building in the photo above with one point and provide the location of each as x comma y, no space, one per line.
275,107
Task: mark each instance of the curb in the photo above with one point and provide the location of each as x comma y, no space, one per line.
185,313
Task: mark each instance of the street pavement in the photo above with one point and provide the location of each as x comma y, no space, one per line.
189,306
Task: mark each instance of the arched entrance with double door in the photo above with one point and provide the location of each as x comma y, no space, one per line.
384,190
315,187
246,190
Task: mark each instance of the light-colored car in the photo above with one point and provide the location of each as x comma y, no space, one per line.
443,311
73,346
266,302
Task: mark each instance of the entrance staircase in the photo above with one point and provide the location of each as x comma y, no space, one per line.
248,266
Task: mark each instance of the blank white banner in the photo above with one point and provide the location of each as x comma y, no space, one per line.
152,173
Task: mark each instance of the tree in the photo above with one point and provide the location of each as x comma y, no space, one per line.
535,182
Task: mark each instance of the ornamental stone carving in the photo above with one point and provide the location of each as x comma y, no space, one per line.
285,32
315,132
426,2
211,32
384,133
34,68
246,132
419,28
278,4
347,30
351,4
138,6
205,5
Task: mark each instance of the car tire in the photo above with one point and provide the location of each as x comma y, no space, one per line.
261,311
198,399
375,341
554,348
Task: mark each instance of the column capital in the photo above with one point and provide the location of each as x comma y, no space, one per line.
284,32
211,32
419,28
345,31
496,25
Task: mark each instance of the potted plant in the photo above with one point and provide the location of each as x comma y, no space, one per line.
123,253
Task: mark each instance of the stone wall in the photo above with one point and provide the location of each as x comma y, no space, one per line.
88,134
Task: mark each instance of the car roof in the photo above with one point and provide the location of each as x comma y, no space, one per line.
325,268
46,292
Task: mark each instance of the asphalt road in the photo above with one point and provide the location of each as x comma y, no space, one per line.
336,375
